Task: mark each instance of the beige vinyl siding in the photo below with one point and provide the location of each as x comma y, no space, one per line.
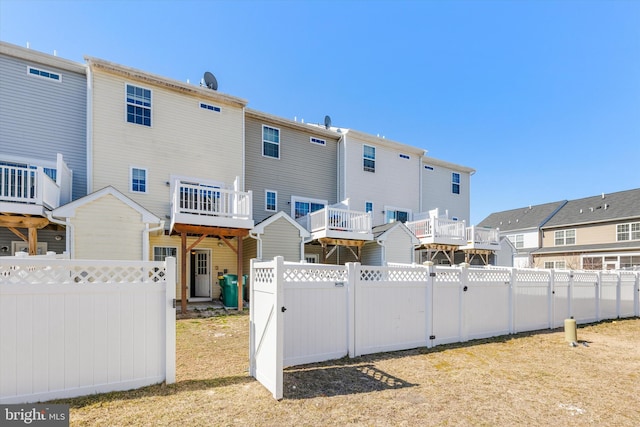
106,228
304,169
221,258
249,251
587,235
183,139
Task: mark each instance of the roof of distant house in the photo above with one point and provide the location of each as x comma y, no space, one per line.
522,218
601,208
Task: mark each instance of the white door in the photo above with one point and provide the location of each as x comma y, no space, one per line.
202,276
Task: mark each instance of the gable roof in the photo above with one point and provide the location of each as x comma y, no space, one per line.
623,205
69,210
382,232
522,218
260,227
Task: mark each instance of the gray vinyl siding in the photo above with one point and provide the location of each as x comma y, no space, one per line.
281,239
372,253
44,235
40,118
304,169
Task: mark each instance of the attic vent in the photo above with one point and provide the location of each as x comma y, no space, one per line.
428,167
606,206
404,156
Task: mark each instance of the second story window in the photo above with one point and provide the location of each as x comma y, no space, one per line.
270,142
138,180
369,158
304,207
517,240
565,237
44,74
393,215
455,183
628,231
368,207
270,200
138,105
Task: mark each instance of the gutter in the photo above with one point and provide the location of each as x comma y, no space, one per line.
259,249
69,246
145,238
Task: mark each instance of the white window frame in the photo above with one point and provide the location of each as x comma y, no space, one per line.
388,209
295,199
317,141
632,232
153,252
271,142
146,180
127,103
454,183
209,107
556,237
40,76
370,159
266,200
557,265
517,240
372,206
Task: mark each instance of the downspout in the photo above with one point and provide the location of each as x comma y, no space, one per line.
145,238
89,122
383,258
259,248
68,232
244,146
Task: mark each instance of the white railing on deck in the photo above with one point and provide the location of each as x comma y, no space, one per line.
28,185
437,227
480,235
201,199
337,219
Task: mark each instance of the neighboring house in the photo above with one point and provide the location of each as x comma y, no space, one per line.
43,143
522,227
595,233
177,150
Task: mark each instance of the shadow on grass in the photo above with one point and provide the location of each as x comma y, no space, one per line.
329,381
157,390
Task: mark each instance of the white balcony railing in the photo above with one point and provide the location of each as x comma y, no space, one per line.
30,185
438,229
337,219
482,236
202,199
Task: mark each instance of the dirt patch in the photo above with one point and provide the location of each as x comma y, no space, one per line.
525,379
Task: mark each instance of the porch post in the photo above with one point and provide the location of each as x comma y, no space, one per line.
33,241
183,273
240,277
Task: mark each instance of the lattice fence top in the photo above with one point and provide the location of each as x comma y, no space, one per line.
309,273
447,275
489,276
263,275
585,277
70,272
609,278
532,276
394,274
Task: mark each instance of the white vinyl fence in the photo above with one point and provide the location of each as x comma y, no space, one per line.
304,313
77,327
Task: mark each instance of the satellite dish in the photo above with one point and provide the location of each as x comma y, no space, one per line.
210,81
327,122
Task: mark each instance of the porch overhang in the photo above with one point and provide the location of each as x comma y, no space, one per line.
181,219
22,208
341,235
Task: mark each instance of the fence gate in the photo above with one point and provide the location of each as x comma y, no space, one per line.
267,325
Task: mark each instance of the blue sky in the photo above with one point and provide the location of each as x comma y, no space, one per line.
542,98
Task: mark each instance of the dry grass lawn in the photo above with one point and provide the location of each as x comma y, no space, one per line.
525,379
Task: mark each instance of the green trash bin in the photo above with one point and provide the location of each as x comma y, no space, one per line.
229,285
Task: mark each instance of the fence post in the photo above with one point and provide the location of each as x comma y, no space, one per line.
431,273
636,295
598,294
512,308
551,305
618,293
353,282
464,286
280,308
570,293
170,326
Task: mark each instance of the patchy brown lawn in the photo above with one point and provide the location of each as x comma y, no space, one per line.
525,379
